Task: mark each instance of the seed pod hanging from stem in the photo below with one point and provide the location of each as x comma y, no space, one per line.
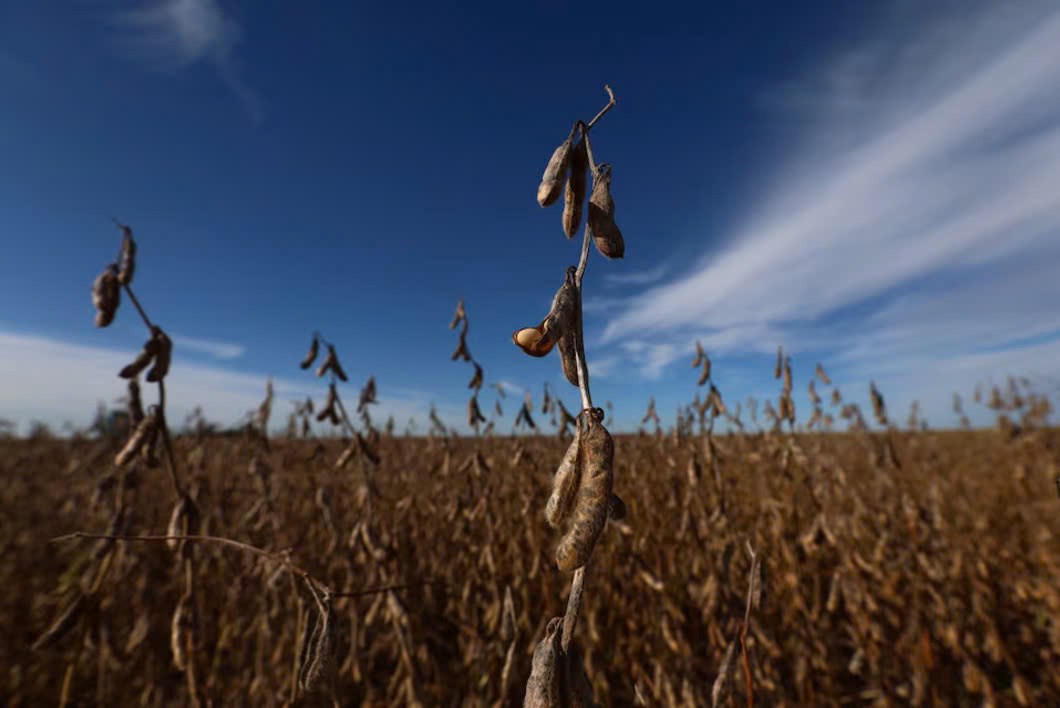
549,189
162,358
106,295
127,265
310,357
606,234
574,194
565,484
142,360
543,690
562,316
597,455
139,437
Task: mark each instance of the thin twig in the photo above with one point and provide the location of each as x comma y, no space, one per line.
167,443
570,618
136,302
384,588
345,417
274,556
605,109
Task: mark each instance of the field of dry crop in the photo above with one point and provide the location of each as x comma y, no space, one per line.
926,577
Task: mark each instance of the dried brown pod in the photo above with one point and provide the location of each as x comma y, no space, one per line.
136,408
780,363
474,415
328,410
142,360
62,624
138,438
723,682
616,508
699,355
815,398
822,375
606,234
336,366
461,351
597,455
180,632
459,316
565,484
331,363
149,451
476,379
563,314
577,185
543,689
317,661
366,449
182,521
346,456
311,355
549,189
127,264
879,409
367,395
715,401
565,416
523,416
163,357
568,357
704,375
106,295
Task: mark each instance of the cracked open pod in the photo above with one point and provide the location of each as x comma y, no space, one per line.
533,341
561,319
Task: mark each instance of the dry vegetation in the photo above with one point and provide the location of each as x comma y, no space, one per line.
938,583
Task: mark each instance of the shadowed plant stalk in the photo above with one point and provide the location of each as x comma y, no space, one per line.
582,498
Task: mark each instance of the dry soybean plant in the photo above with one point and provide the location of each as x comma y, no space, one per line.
474,412
363,446
317,639
148,429
582,498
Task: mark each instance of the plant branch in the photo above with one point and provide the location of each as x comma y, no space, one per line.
610,104
139,308
574,602
167,443
274,556
345,416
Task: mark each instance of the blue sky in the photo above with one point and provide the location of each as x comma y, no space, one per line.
873,186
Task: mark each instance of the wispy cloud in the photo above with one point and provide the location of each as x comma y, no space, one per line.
642,277
926,231
510,387
55,381
218,350
170,35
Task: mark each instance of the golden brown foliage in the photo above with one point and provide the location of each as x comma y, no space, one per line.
937,583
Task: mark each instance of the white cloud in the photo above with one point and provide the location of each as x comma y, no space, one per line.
643,277
56,382
169,35
510,387
218,350
927,231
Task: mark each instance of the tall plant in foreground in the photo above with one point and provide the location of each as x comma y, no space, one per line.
581,499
